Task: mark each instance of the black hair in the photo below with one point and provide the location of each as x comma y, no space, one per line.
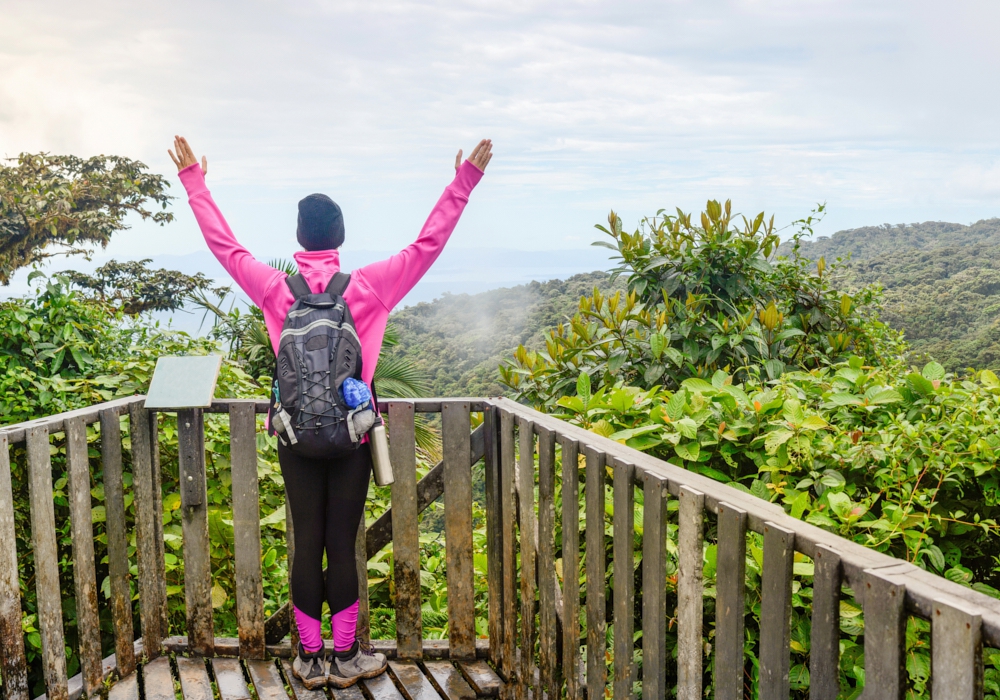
321,223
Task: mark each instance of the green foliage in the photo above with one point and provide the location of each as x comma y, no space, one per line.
702,298
132,287
66,202
458,340
941,280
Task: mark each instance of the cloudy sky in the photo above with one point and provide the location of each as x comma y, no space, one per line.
888,111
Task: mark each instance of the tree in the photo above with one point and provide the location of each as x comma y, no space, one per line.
135,289
67,203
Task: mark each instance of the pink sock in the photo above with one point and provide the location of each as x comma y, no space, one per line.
345,627
309,631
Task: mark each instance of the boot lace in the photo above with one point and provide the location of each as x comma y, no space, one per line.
366,648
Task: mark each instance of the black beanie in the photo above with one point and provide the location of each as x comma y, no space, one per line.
321,224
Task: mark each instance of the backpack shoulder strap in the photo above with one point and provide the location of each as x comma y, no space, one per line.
338,284
298,285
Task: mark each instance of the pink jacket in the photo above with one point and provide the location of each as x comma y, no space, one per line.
374,290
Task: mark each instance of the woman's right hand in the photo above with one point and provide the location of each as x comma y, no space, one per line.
480,157
185,156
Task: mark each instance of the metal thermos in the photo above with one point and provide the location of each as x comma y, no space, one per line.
380,454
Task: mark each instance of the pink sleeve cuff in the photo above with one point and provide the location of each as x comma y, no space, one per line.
467,177
193,180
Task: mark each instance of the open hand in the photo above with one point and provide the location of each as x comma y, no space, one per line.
185,156
480,157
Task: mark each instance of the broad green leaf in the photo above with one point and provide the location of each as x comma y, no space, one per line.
687,427
989,379
656,344
219,596
932,371
845,399
814,423
776,438
840,503
583,389
688,450
698,386
920,384
792,412
675,406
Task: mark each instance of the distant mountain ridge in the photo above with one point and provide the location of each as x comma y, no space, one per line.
941,280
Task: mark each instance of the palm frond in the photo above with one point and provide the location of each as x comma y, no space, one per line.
400,378
285,265
391,337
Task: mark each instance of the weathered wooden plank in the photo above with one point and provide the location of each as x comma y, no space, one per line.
483,679
361,562
458,530
885,637
266,680
412,681
824,652
381,688
147,549
596,566
775,612
730,587
126,688
690,521
13,664
55,424
161,565
353,692
194,524
548,652
299,691
449,680
46,560
229,679
158,680
654,587
526,501
624,576
195,683
571,566
956,652
246,530
494,535
84,569
405,535
508,522
118,564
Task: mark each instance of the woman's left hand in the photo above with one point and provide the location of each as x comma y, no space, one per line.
480,157
185,156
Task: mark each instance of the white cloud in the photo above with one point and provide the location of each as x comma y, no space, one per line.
885,110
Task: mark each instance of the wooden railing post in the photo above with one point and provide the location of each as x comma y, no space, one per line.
508,522
405,536
624,577
776,612
730,587
885,637
194,524
458,529
147,508
84,570
571,566
118,565
246,529
690,590
597,673
361,562
13,665
654,587
956,652
46,560
526,503
824,648
494,535
547,646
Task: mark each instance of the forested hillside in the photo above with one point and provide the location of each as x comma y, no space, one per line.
461,339
942,284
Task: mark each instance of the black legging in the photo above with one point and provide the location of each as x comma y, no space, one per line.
327,499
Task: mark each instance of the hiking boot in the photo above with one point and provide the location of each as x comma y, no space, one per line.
360,661
310,668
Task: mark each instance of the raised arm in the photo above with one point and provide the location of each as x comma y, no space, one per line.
393,278
253,276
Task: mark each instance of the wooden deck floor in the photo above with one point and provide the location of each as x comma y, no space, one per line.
183,678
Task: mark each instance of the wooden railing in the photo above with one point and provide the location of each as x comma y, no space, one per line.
543,636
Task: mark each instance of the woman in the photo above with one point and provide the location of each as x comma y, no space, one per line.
327,496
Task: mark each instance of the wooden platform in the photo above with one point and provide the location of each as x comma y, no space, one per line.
195,678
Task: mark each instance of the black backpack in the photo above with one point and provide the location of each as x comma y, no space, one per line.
319,348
